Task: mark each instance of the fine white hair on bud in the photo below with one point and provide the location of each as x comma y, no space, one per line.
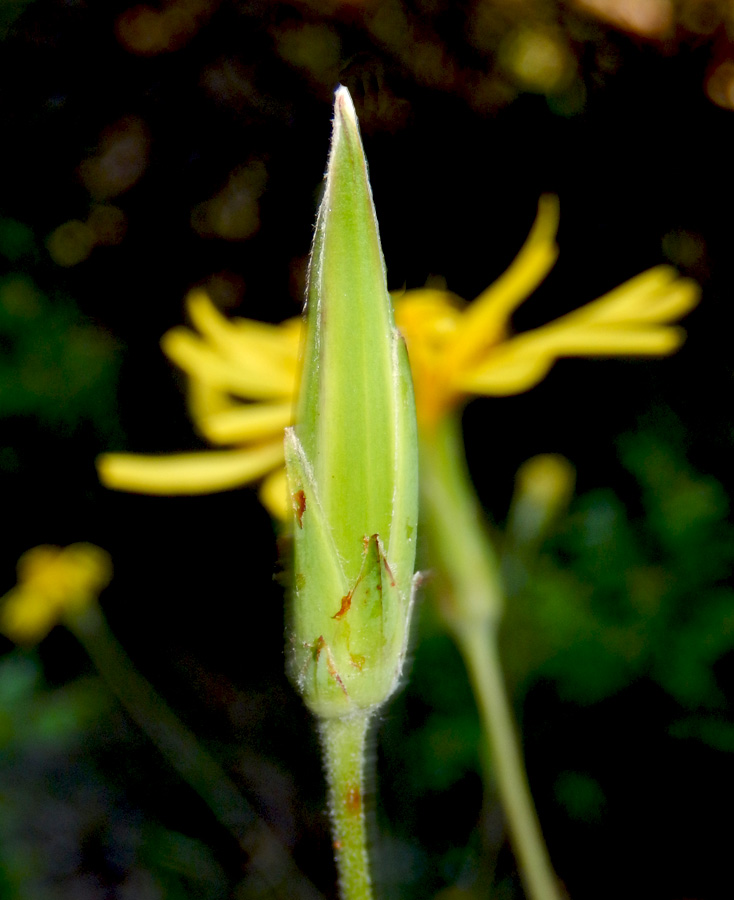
351,458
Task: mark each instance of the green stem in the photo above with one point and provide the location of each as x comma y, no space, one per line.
271,866
469,590
481,657
344,754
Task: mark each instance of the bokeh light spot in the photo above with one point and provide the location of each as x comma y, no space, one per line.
537,60
646,18
233,213
108,224
720,84
314,49
120,161
70,243
146,31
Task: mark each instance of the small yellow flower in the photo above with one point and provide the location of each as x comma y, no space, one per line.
243,374
53,582
242,386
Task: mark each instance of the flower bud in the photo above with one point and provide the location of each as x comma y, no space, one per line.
352,456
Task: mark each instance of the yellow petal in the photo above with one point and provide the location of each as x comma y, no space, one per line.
485,321
657,295
621,340
88,567
506,372
248,377
418,302
53,582
188,473
204,400
526,359
259,343
27,616
631,320
243,423
41,570
428,319
273,495
280,343
64,572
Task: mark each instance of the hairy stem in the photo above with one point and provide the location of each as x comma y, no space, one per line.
344,755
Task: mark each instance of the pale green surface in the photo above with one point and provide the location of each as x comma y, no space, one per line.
460,553
352,457
356,416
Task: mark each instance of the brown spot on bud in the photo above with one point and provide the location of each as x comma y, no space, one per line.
353,799
317,647
299,506
335,675
344,608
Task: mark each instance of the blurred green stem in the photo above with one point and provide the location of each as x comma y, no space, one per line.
469,591
480,651
344,754
271,865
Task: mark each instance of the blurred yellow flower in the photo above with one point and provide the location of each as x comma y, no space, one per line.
255,363
456,350
53,583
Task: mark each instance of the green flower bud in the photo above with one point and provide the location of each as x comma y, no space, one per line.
352,457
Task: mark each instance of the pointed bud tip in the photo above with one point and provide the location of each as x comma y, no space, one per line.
343,104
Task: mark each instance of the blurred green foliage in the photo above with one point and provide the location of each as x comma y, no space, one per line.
36,723
580,795
9,12
33,715
624,591
58,370
620,595
55,365
60,807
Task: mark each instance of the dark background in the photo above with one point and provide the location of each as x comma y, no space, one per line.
136,116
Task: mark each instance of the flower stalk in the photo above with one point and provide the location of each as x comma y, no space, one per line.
344,742
469,593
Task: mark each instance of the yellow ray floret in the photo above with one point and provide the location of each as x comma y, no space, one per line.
457,350
243,374
242,378
53,582
189,473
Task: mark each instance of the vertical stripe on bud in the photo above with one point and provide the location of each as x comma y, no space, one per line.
352,456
